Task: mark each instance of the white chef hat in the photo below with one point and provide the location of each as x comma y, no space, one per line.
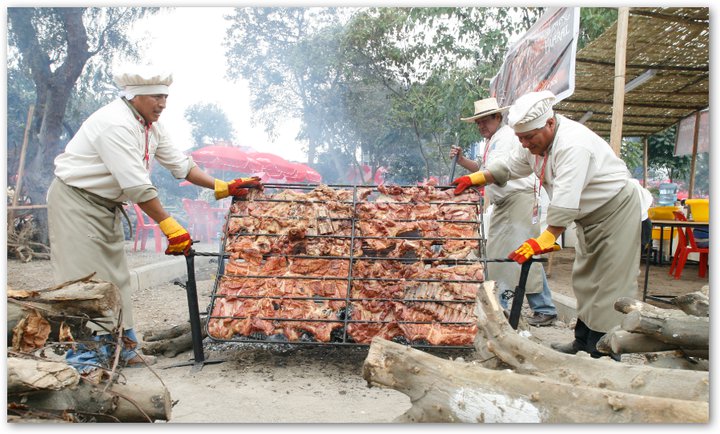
143,80
531,111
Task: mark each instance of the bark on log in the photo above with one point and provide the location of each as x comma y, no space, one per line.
695,303
527,357
91,402
83,298
29,375
446,391
624,342
685,331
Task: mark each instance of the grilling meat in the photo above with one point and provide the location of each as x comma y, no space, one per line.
335,265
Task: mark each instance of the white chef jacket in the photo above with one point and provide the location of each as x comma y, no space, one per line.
497,148
581,172
111,155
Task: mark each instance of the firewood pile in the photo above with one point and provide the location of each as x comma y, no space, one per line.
668,337
343,265
523,381
42,387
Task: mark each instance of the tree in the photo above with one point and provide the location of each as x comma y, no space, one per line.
209,123
661,149
273,49
52,46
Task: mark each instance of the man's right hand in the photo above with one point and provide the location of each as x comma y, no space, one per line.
463,182
179,240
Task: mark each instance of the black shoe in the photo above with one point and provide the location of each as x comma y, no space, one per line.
541,319
569,348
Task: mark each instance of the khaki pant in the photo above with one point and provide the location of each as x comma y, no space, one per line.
607,259
86,236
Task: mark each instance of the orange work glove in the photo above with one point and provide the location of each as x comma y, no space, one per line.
535,246
179,240
236,187
466,181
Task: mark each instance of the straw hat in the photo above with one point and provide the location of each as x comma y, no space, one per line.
485,107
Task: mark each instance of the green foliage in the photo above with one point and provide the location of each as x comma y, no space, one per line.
660,155
631,152
209,123
594,22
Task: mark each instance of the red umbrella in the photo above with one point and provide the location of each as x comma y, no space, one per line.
276,167
304,173
225,158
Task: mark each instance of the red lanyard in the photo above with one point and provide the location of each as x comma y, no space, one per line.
541,178
487,148
147,146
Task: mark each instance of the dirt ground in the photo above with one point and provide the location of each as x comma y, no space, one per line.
259,383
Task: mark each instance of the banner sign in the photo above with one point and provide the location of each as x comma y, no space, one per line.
544,58
686,133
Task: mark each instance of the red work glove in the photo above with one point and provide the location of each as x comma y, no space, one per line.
466,181
179,240
236,187
535,246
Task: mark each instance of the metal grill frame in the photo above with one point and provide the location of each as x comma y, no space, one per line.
352,259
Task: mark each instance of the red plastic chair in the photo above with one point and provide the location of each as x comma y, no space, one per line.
687,245
202,219
144,228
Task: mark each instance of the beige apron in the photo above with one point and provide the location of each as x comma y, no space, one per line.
510,225
607,259
86,236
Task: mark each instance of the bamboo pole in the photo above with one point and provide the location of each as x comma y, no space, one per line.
619,92
21,164
645,160
696,133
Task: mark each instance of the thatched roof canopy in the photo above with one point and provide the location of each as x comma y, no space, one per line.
674,42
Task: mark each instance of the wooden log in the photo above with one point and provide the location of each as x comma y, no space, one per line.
688,331
173,341
146,402
447,391
29,375
676,360
695,303
624,342
527,357
619,341
627,305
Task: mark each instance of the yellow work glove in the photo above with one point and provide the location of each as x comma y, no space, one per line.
236,187
535,246
466,181
179,240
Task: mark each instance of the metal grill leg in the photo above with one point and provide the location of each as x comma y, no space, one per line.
519,294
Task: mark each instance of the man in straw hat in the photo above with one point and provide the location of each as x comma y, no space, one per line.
589,185
512,220
106,163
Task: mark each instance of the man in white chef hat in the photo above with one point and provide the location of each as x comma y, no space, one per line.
589,185
105,164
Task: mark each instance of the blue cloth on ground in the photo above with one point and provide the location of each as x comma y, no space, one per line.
85,359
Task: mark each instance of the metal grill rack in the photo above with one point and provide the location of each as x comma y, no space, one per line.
327,307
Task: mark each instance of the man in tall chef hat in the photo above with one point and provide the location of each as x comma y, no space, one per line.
105,164
589,185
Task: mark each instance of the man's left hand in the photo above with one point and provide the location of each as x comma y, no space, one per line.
535,246
237,187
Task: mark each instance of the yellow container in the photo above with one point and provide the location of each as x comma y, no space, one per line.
663,213
700,209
